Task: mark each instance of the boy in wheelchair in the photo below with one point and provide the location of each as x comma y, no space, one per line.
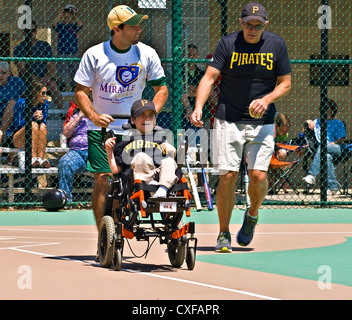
146,152
141,156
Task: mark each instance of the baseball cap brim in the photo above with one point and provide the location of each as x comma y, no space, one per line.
249,18
140,111
136,19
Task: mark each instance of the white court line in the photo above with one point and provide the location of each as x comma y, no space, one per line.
154,275
49,255
47,238
16,248
43,230
203,285
161,276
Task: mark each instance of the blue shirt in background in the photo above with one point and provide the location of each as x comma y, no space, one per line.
19,116
13,90
67,38
41,49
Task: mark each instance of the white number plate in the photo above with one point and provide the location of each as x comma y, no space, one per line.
168,206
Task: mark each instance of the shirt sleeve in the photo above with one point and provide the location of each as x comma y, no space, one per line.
283,64
155,71
218,59
341,131
45,111
85,74
19,88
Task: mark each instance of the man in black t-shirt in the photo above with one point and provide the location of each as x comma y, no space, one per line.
255,72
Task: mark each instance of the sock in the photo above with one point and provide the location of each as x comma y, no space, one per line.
253,217
161,192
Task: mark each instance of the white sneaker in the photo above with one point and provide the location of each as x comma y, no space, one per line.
160,193
310,179
331,192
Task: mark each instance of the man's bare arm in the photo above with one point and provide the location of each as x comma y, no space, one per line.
85,105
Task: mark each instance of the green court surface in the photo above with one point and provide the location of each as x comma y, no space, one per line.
309,263
266,216
299,263
276,216
37,218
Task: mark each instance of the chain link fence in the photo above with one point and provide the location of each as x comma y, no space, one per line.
185,34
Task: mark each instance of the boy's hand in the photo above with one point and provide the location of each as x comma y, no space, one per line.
110,143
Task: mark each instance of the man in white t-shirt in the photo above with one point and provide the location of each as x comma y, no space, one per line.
116,71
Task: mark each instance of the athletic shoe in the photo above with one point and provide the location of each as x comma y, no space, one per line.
246,233
44,163
310,179
35,162
224,242
161,192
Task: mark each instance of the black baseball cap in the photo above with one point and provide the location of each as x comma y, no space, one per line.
140,106
254,11
70,8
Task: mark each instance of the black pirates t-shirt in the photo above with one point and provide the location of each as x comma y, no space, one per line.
125,150
248,72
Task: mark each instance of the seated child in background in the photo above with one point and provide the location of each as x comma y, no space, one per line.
75,160
146,151
282,126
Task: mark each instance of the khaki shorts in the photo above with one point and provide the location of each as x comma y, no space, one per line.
229,140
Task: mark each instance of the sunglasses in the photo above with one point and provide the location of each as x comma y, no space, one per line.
249,26
44,93
3,72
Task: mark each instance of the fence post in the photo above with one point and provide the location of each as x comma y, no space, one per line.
28,117
323,113
177,65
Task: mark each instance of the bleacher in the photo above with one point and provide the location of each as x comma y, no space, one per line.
54,151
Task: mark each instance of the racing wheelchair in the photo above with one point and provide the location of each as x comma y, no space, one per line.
130,212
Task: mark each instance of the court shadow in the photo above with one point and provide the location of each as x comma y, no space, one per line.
135,266
234,249
127,263
84,259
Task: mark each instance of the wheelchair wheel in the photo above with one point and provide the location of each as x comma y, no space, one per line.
117,258
105,241
176,250
190,258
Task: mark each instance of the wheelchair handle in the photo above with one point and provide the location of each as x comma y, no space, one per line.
123,116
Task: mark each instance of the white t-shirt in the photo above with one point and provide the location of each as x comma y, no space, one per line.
117,79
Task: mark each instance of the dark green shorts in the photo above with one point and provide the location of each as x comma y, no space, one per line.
97,158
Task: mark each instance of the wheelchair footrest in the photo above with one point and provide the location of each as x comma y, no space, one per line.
127,234
187,228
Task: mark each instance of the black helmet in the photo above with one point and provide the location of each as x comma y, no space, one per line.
54,200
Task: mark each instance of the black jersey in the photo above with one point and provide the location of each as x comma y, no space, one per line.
248,72
125,150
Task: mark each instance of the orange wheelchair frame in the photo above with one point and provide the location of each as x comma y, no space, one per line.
130,212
